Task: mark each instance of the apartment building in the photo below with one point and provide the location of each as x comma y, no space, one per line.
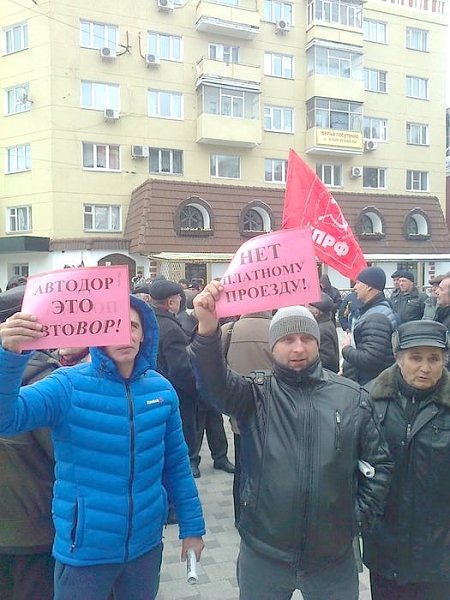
156,133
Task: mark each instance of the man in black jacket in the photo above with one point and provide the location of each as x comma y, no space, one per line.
409,303
408,548
303,431
367,349
442,314
174,363
26,486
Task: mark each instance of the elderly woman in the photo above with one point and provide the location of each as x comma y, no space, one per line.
408,548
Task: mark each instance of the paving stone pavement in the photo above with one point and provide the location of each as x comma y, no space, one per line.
217,569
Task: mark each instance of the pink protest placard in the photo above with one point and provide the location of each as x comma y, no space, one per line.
82,307
270,271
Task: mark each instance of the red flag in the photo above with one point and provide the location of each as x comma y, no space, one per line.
308,203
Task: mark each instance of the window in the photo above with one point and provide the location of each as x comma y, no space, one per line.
19,270
256,217
275,10
374,177
15,38
18,158
166,161
417,181
17,99
417,225
194,217
417,87
366,225
225,165
102,217
330,174
279,65
375,129
375,31
275,170
370,224
279,118
418,39
417,134
253,221
98,35
343,12
375,81
334,114
165,46
191,217
19,219
98,96
335,62
229,102
227,54
101,157
165,105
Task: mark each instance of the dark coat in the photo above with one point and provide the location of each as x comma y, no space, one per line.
410,306
372,334
26,479
329,343
442,315
331,291
302,434
411,541
173,360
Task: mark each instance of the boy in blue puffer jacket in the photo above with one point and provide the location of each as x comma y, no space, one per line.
119,452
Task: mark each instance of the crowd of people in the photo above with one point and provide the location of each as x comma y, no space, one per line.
337,445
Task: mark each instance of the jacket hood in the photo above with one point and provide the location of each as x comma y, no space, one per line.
146,358
385,387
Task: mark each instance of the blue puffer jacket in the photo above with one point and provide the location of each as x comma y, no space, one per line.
116,443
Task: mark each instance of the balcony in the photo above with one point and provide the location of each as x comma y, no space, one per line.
227,73
237,21
228,131
343,89
333,141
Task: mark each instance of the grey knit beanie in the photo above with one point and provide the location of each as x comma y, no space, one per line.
292,319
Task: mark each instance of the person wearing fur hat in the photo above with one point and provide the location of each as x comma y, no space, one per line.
409,303
329,342
303,430
408,547
367,349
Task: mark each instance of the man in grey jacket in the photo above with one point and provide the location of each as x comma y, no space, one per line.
303,431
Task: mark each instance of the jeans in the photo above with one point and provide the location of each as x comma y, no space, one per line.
388,589
136,580
263,578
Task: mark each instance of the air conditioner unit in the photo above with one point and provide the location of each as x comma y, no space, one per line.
152,60
107,54
110,114
357,171
370,145
166,5
281,26
139,151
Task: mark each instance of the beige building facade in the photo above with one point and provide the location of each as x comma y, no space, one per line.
98,97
